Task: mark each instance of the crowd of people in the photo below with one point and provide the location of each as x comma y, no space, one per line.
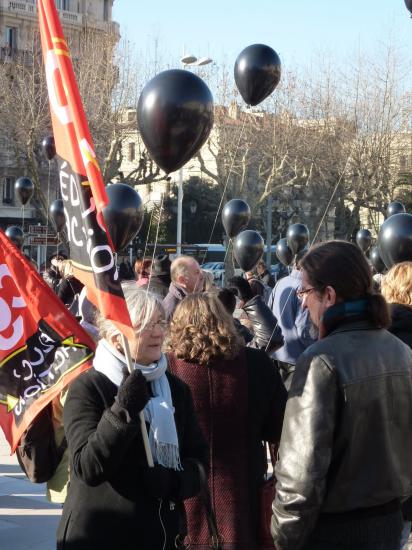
313,376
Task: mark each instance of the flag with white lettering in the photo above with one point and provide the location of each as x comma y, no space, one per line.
81,183
42,346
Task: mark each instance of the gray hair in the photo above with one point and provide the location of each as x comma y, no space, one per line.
141,305
180,266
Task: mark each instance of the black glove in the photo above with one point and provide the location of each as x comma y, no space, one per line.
241,288
133,394
160,482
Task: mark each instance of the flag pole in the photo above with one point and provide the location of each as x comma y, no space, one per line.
147,449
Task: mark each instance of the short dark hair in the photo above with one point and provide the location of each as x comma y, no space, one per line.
228,299
343,266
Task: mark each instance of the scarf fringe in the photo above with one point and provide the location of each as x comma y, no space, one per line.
167,455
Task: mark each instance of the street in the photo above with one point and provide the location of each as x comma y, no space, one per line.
27,520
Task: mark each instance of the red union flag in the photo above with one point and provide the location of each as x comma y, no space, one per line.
42,346
81,183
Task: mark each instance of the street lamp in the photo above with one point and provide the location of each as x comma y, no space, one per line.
187,60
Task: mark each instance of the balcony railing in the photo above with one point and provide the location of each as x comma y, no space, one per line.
22,8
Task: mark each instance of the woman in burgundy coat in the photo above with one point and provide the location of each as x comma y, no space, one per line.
239,401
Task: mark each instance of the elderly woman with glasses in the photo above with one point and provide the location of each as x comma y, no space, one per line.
115,500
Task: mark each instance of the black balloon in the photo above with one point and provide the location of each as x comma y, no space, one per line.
395,239
235,217
364,239
16,235
175,116
24,189
49,148
283,252
395,207
408,4
123,215
57,214
248,249
376,260
297,237
257,73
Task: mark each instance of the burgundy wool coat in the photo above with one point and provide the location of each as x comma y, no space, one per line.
238,403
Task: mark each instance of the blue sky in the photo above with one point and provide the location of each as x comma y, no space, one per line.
297,29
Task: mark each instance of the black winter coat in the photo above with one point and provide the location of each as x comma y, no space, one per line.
265,325
107,505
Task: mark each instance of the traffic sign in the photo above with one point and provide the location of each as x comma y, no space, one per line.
43,239
41,230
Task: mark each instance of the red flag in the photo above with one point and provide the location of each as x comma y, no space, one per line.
81,183
42,346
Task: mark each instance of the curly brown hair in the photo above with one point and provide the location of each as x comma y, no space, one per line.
202,331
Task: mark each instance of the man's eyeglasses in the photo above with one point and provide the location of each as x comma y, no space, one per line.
302,292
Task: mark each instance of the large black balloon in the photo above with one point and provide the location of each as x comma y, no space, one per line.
297,237
283,252
175,116
395,239
24,189
395,207
257,73
57,214
364,239
376,260
408,4
123,215
248,249
49,147
16,235
235,217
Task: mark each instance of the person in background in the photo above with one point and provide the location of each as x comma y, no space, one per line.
114,499
159,280
187,278
239,399
295,323
52,274
267,334
69,287
142,269
345,454
208,282
396,288
264,274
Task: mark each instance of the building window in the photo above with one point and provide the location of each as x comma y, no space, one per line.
131,116
11,38
402,162
132,151
63,5
106,10
8,190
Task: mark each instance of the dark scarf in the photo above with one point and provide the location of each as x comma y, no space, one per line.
345,312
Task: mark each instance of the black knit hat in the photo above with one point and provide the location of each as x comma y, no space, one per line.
161,265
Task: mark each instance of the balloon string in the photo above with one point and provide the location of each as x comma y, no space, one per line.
154,251
225,186
331,198
148,234
277,320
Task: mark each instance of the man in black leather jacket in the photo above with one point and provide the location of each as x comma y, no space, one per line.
345,454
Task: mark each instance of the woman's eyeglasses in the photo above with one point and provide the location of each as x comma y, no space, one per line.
162,324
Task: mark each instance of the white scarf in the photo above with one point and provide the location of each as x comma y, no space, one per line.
159,411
